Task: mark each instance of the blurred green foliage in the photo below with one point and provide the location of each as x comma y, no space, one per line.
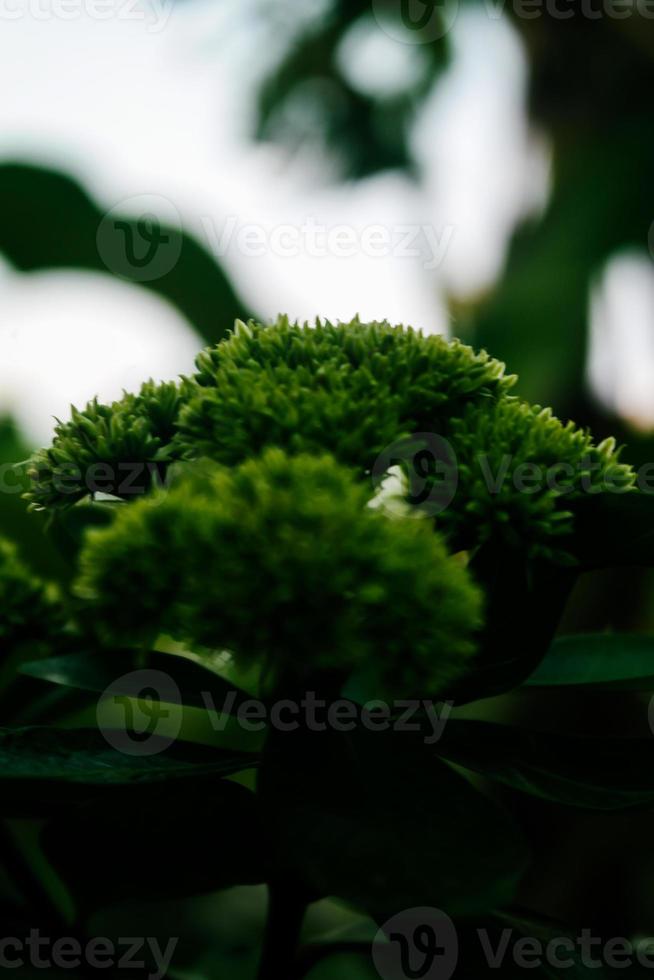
309,96
590,85
47,221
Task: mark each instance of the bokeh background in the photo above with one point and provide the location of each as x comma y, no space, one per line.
522,143
477,168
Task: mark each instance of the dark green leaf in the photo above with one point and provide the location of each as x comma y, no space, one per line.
615,660
48,221
192,684
354,939
594,773
524,603
45,769
344,964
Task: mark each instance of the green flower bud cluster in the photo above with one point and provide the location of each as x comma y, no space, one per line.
356,389
280,561
122,448
521,472
32,618
350,389
264,543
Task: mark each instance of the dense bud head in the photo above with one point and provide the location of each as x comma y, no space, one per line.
521,473
281,562
350,389
358,391
355,389
121,447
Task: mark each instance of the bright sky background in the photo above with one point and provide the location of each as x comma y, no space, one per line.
157,100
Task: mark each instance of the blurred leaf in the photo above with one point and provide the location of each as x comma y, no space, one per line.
307,98
353,939
47,221
193,684
344,966
372,818
594,773
602,201
44,769
615,660
524,602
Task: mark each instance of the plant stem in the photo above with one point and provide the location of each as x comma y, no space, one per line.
283,926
